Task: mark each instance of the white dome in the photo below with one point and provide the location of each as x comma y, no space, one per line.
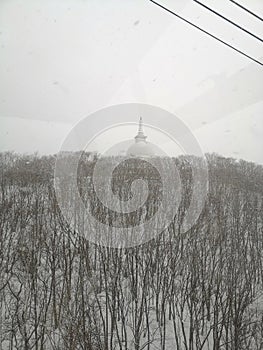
141,149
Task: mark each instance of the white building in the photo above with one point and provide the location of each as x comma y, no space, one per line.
141,148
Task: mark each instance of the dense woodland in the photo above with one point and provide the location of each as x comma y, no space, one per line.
200,289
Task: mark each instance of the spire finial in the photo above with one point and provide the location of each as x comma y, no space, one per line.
140,136
140,125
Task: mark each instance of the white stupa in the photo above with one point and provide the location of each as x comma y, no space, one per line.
141,148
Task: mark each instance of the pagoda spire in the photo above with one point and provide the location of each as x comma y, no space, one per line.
140,136
140,125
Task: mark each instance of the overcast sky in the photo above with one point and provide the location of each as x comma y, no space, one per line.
62,60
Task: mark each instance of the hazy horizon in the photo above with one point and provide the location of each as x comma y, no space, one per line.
61,61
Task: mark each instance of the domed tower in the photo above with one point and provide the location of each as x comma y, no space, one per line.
141,148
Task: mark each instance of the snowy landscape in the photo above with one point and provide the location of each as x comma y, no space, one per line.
200,289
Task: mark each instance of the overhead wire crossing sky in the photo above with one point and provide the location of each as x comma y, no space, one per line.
246,9
228,20
207,33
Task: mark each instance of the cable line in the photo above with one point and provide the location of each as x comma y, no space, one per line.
246,9
207,33
228,20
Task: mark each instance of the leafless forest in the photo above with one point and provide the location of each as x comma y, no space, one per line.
196,290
